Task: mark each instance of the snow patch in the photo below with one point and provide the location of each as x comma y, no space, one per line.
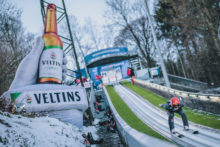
16,130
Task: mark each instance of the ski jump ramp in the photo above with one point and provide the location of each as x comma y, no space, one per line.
158,120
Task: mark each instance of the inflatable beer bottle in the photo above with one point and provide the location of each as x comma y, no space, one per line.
50,68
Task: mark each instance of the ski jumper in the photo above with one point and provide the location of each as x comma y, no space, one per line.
170,111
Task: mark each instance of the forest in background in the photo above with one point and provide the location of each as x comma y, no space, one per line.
188,33
192,28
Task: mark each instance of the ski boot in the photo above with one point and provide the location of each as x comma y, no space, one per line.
186,128
172,131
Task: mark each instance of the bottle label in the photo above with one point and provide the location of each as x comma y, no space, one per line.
51,63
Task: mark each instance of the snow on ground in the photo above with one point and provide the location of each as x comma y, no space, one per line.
16,130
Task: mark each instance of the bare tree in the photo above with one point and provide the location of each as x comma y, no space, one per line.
14,43
134,29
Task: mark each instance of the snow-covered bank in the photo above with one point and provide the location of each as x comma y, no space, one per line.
16,130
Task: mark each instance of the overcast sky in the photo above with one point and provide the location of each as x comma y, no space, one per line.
82,9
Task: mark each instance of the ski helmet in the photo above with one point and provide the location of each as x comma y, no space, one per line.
175,101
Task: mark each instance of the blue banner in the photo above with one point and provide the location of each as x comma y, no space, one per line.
105,52
83,73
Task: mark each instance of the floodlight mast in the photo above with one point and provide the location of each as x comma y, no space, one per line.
167,82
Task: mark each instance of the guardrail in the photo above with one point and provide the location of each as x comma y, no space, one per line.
131,136
206,102
185,82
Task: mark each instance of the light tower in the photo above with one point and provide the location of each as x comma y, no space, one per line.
167,82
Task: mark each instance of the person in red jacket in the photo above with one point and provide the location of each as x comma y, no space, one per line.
130,71
84,79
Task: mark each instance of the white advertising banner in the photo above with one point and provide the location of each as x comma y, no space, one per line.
50,97
86,85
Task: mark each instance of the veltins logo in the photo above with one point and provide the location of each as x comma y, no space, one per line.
53,55
28,99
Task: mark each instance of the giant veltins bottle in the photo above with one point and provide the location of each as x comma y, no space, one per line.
50,68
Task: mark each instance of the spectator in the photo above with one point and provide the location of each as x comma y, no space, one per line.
128,72
89,140
92,140
132,75
112,125
98,106
99,78
86,141
108,113
84,79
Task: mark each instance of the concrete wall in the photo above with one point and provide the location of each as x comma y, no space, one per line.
132,137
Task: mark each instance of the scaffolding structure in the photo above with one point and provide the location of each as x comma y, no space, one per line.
67,41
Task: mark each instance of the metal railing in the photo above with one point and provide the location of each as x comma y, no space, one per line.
200,96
